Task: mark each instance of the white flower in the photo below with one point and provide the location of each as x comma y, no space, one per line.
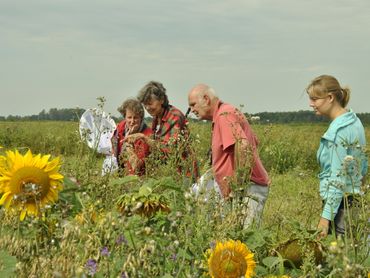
348,158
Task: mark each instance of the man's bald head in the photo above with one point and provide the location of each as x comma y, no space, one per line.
202,100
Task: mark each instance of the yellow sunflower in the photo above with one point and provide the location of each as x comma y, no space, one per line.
231,259
29,182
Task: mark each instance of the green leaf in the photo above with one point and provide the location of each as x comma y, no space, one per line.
165,182
145,191
167,276
71,198
367,262
270,262
123,181
260,270
256,240
183,253
7,264
69,184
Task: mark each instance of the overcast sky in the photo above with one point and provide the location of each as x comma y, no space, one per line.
258,53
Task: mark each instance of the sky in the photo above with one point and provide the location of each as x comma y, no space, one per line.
258,54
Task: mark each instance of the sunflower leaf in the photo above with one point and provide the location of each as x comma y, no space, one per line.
123,181
270,262
145,191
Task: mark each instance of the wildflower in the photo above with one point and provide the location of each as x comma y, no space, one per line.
333,246
105,252
91,267
231,259
348,158
121,239
29,182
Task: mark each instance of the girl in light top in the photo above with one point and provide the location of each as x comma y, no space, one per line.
343,163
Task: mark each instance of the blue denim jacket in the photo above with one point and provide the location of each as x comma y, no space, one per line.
342,160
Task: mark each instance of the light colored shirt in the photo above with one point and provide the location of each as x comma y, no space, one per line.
342,161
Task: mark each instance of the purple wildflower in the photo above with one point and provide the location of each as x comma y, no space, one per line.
105,252
121,239
91,267
173,257
212,244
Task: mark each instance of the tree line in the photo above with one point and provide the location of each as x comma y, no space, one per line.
303,116
54,114
74,114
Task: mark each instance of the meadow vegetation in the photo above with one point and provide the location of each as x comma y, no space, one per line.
152,226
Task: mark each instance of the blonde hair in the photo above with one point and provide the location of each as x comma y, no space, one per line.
326,84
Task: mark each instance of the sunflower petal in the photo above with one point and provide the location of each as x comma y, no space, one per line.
28,158
23,214
52,164
4,197
56,176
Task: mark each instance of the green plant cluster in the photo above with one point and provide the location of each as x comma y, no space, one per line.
85,234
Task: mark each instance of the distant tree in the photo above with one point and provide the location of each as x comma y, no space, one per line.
42,115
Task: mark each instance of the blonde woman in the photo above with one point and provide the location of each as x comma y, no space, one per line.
343,164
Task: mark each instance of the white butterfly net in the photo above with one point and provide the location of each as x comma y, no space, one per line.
96,128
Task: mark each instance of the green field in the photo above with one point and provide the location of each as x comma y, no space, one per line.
86,233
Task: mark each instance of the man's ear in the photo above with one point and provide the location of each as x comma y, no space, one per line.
207,99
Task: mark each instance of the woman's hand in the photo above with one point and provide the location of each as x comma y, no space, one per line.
133,129
130,139
323,227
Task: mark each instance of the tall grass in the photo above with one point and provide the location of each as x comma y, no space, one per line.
88,233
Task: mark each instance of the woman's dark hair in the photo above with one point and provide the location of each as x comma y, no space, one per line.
153,89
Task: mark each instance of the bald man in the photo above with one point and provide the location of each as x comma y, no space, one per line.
235,159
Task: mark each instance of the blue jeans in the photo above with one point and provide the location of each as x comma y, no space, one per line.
339,221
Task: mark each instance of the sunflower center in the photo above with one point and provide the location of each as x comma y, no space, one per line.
30,184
